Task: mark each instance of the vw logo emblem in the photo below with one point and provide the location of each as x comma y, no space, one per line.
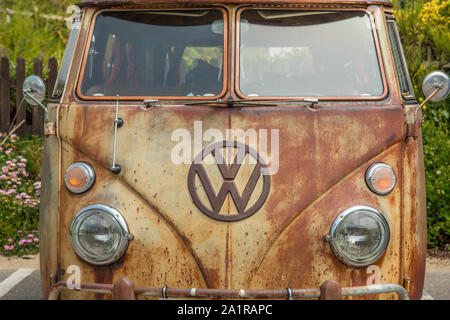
228,173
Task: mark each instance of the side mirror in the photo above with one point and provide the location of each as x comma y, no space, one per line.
436,86
34,92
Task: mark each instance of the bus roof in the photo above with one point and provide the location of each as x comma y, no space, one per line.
278,2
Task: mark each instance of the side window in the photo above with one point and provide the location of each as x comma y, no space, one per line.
67,58
400,62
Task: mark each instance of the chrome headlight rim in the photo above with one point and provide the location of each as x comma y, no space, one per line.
117,218
92,177
381,248
369,174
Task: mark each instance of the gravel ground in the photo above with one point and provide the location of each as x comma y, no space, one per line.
438,264
28,262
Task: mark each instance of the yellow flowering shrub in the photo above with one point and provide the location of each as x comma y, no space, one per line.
425,29
434,13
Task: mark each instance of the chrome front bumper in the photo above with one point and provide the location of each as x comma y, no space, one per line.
124,289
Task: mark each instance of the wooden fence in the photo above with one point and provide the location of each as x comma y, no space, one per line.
33,117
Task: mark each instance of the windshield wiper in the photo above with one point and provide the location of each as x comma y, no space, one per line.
230,102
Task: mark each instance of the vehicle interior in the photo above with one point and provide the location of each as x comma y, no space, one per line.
139,53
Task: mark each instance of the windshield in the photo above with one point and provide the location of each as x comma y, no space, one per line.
155,54
307,54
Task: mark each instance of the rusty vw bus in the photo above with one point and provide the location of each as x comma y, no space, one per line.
234,149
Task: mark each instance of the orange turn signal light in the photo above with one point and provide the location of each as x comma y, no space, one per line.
80,177
381,178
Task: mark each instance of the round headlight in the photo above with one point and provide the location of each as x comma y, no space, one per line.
359,236
80,177
99,235
381,178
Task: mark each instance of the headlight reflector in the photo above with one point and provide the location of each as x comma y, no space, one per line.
359,236
80,177
99,235
381,178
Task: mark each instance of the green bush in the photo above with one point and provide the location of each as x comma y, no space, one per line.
436,137
19,195
35,35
